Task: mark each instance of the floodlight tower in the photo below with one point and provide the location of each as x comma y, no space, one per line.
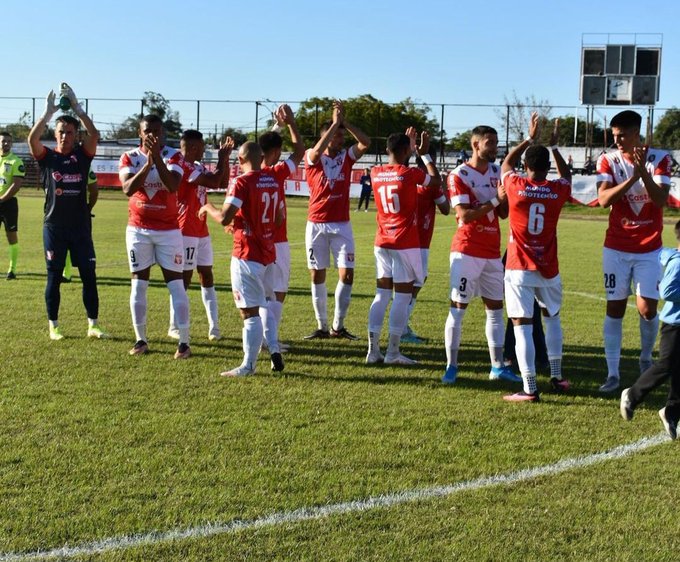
619,69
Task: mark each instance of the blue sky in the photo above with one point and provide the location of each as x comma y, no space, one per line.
479,53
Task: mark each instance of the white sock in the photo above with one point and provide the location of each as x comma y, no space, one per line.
92,322
373,341
648,331
138,307
172,325
53,323
343,296
209,297
320,304
553,343
526,356
452,332
252,341
613,338
376,314
276,308
270,327
495,335
398,320
411,306
180,305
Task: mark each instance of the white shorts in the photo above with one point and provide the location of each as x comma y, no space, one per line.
474,277
248,283
622,268
523,287
280,269
198,252
425,260
325,238
402,266
146,247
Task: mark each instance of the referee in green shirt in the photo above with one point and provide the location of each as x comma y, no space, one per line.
12,174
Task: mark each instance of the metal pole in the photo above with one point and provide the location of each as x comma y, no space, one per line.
257,109
141,112
507,129
87,105
198,115
650,126
441,139
33,118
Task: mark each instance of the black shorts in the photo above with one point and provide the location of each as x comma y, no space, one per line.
9,214
57,241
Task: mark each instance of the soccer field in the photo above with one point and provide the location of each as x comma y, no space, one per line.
104,456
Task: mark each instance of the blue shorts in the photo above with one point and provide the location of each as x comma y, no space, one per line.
58,240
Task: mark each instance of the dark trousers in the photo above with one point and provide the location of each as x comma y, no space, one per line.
668,365
365,196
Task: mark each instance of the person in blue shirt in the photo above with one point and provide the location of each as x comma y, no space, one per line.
668,364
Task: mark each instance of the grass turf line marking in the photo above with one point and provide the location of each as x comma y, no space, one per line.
321,512
596,297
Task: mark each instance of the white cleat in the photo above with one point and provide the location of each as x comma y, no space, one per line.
374,357
240,371
173,333
399,359
213,335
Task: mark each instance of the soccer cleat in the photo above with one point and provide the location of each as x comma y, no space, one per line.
318,335
55,333
626,407
173,333
559,385
670,425
343,333
409,336
183,351
11,275
240,371
503,373
140,348
65,279
398,359
283,347
610,385
522,397
374,356
645,364
277,362
213,334
450,375
96,332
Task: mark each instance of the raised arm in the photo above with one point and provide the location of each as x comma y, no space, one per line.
316,152
423,152
658,193
223,216
170,179
36,147
92,138
288,118
562,167
216,179
363,140
516,153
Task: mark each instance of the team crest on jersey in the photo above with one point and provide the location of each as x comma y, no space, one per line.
494,182
651,158
178,259
350,257
56,176
8,167
464,172
73,159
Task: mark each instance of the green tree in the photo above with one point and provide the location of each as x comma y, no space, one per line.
461,141
667,130
154,103
517,114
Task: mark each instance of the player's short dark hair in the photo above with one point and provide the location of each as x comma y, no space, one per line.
627,119
327,125
5,134
191,135
483,130
398,142
677,231
151,119
270,140
537,158
68,120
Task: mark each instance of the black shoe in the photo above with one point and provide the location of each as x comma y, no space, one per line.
318,335
343,333
10,276
277,361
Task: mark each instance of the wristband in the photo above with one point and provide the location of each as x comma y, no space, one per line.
426,158
529,140
553,147
494,201
277,128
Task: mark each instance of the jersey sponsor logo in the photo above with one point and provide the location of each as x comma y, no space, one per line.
626,222
58,191
67,178
22,169
636,197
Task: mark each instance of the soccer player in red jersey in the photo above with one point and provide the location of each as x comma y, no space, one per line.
475,259
150,176
633,181
191,196
429,200
253,204
532,269
329,169
397,244
271,143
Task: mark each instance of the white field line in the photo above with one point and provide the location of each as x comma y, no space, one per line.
321,512
596,297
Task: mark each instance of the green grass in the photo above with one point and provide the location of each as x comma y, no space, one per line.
96,443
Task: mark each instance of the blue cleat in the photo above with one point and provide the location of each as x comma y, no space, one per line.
409,336
450,374
503,373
